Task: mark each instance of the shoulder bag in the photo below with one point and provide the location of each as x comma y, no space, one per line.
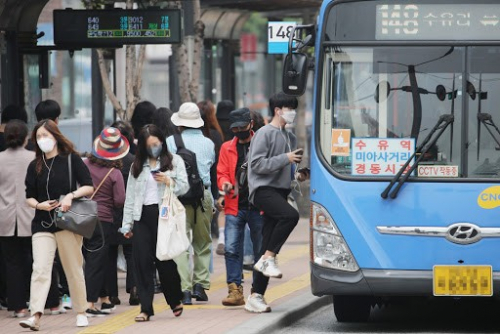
172,238
81,218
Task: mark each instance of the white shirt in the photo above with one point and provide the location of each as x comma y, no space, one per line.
151,191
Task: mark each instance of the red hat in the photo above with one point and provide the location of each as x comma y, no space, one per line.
110,145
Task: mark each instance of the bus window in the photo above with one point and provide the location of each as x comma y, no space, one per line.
370,93
483,85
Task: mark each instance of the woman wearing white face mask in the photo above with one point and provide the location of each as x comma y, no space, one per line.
47,179
154,168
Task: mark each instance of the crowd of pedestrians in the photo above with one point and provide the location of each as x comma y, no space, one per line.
232,180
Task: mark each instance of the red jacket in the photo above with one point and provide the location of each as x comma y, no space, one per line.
226,172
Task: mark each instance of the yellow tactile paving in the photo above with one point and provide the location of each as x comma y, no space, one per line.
126,319
219,282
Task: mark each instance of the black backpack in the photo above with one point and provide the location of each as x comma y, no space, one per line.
195,194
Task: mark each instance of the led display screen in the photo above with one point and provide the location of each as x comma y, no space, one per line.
114,28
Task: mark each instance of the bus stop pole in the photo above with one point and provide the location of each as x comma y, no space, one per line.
97,97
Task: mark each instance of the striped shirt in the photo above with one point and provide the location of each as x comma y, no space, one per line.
203,147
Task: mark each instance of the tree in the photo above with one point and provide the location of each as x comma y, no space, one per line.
187,54
187,57
133,67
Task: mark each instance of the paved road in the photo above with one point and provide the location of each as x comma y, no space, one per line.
203,318
416,316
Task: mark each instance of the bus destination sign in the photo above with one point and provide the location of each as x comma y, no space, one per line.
117,27
438,22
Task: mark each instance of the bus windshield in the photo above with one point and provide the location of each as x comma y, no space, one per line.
378,100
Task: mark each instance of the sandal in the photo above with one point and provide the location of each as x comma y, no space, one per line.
178,310
143,317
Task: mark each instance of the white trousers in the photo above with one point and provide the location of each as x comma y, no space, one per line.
69,245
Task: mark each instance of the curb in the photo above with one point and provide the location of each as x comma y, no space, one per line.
283,315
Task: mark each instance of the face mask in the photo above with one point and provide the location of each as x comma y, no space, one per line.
242,134
154,151
46,144
289,116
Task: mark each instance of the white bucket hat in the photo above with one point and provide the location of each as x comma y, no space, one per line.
188,116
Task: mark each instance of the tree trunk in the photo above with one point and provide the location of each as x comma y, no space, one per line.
107,85
199,30
138,70
189,81
179,51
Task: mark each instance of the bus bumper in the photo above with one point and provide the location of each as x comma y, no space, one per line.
370,282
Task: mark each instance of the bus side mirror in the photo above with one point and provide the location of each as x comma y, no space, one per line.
295,71
382,91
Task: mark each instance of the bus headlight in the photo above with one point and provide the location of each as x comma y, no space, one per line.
328,247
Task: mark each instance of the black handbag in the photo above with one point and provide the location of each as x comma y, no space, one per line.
81,218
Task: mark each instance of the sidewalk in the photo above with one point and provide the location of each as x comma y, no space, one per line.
209,317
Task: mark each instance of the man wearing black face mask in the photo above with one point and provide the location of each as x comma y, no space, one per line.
239,211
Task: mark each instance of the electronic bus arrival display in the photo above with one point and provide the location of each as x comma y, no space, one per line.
117,27
438,22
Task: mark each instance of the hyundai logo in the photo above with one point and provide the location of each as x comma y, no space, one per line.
463,233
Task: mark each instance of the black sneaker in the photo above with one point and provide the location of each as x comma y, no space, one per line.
199,293
134,298
94,313
115,300
107,307
186,299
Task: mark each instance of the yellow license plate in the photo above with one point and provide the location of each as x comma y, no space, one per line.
462,281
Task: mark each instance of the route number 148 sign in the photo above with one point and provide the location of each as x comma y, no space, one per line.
279,36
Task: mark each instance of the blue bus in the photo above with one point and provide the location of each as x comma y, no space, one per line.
405,152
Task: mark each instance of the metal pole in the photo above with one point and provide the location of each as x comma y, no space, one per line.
173,85
97,97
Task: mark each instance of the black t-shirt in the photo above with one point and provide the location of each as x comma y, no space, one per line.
2,142
243,202
217,140
42,187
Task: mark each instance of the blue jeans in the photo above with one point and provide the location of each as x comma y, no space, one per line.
248,248
234,233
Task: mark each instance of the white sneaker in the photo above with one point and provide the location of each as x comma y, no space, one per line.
81,320
268,267
59,310
30,323
257,304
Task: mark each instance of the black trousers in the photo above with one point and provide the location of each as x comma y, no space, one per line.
59,272
16,253
112,269
96,262
3,277
280,218
53,296
17,256
144,254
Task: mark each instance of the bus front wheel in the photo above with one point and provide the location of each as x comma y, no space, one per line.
352,308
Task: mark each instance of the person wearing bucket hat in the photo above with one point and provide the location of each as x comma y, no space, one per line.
118,239
104,164
194,283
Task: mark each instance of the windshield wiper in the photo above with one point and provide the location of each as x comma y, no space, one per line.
487,120
421,150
